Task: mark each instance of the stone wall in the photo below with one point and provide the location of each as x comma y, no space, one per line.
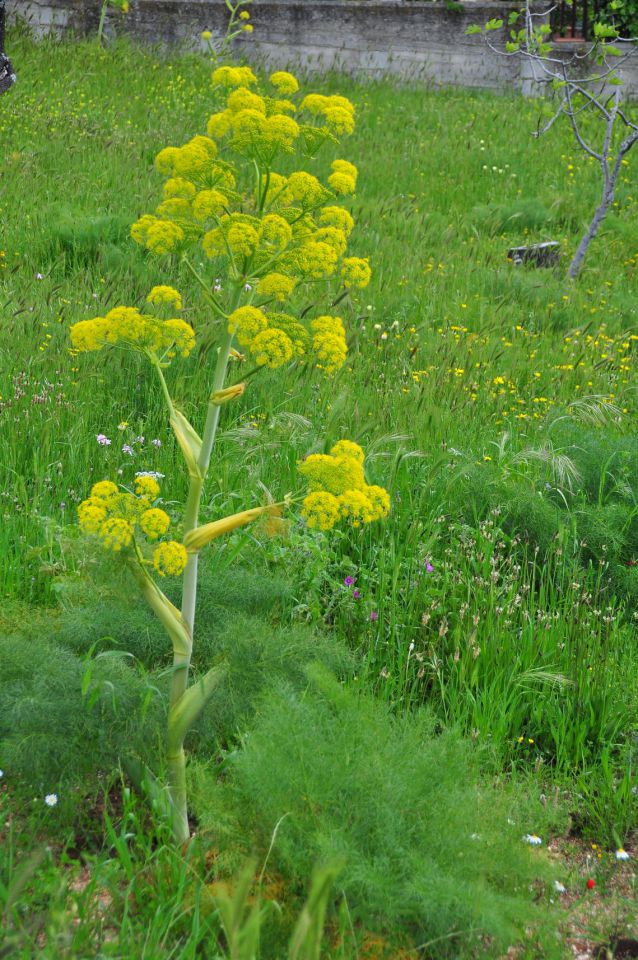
413,39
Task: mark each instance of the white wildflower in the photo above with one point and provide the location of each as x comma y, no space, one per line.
532,839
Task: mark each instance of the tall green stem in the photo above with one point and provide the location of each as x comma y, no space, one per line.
176,759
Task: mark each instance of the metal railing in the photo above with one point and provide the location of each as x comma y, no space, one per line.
575,19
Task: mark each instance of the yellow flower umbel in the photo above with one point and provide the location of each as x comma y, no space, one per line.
139,331
115,516
339,491
170,558
163,294
355,272
154,523
284,83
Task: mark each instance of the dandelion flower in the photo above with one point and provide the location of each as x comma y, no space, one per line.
51,799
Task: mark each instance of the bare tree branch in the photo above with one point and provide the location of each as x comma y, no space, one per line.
578,96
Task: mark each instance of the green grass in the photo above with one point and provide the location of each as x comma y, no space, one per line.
497,404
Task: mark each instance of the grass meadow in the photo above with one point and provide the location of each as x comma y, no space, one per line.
404,702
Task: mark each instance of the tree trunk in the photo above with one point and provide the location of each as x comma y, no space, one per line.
7,76
592,230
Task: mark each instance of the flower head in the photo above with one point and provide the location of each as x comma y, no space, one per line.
271,348
355,272
170,558
146,485
284,82
154,523
51,799
338,488
532,839
164,294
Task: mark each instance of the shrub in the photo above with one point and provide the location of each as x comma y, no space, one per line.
338,777
63,720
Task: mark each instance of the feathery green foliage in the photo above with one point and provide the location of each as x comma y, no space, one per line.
426,850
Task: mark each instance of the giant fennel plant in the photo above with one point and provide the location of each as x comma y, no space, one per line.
268,235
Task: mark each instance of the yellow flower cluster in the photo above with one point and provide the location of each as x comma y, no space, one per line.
355,272
170,558
139,331
286,229
329,343
275,339
284,82
338,489
163,294
258,128
198,187
272,348
145,486
276,285
343,178
113,515
337,113
233,77
158,236
154,523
